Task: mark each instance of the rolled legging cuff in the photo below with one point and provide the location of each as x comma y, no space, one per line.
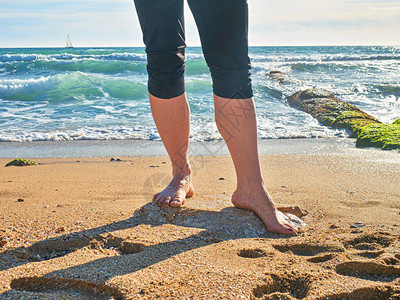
166,89
166,70
231,84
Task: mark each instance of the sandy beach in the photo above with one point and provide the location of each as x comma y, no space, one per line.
85,228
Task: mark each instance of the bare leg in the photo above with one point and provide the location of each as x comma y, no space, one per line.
236,121
172,118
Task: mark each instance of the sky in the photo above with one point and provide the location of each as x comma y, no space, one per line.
113,23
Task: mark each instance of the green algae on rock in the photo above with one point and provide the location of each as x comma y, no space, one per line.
385,136
330,111
21,162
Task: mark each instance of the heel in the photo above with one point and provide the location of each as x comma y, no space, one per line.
190,193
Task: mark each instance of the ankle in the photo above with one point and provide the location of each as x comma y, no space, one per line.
181,170
250,183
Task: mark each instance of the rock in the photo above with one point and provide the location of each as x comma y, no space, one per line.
19,162
232,221
115,159
221,178
279,76
357,225
333,226
3,241
60,229
385,136
20,200
330,111
294,210
295,220
316,93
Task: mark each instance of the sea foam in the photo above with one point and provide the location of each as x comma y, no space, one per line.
101,93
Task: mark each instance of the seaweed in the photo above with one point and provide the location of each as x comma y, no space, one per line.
19,162
385,136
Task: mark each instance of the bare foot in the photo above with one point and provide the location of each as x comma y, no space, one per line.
259,201
176,192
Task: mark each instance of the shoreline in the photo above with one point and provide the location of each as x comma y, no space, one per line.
105,148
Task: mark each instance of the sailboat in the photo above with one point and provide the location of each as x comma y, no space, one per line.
68,44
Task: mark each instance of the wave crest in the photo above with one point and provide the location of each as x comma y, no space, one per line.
69,86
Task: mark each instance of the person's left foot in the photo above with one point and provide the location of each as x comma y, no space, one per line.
259,201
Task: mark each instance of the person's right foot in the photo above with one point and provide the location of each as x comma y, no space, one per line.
176,192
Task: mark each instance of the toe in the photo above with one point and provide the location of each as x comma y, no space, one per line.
166,202
155,197
291,226
160,200
176,202
288,230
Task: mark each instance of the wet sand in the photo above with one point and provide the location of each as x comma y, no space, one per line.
85,228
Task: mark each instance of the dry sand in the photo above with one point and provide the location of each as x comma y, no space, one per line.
68,230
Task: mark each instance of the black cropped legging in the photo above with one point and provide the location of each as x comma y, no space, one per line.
222,25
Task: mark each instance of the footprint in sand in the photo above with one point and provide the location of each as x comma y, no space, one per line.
370,254
382,266
370,242
58,247
368,246
285,286
254,253
315,251
371,270
63,288
296,286
376,292
364,204
308,249
389,259
322,258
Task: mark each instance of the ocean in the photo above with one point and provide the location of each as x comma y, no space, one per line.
57,94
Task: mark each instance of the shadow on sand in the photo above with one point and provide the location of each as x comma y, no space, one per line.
227,224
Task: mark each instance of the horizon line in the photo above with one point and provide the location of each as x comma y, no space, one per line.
199,46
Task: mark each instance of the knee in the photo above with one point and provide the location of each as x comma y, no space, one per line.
166,72
231,83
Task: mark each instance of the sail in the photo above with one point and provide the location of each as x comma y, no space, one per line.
69,43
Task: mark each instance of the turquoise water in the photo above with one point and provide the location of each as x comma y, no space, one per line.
100,93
